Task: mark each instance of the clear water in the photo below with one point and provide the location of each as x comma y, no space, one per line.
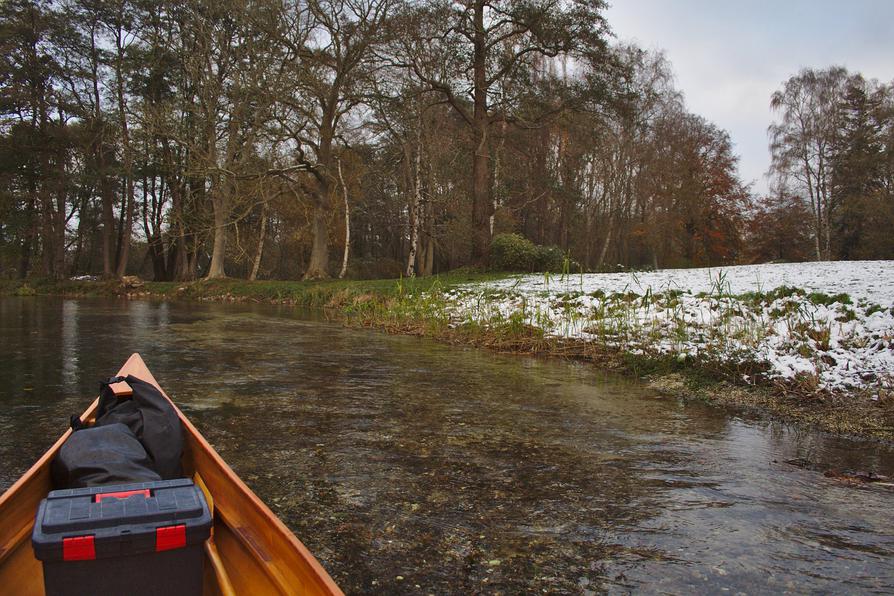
414,467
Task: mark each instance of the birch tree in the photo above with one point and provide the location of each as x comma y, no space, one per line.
802,143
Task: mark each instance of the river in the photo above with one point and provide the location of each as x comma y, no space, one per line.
408,466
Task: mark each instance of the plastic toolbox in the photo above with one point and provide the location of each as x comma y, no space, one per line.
142,538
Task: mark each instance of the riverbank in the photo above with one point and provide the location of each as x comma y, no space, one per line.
763,340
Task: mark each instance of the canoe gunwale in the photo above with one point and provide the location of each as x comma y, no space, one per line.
13,528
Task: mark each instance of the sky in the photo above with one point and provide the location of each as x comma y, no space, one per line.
730,55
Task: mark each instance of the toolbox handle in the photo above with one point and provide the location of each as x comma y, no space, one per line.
123,494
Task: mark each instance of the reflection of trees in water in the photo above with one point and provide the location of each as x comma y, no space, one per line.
39,360
69,344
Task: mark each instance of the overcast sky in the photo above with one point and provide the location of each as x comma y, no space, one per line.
730,55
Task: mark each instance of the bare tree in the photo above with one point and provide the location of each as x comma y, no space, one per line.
803,141
233,66
330,54
482,56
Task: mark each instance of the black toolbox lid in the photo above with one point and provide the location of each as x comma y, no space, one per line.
118,520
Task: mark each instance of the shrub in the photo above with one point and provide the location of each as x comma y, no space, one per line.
549,258
25,290
512,252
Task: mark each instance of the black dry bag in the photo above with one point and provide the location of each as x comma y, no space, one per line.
109,454
150,416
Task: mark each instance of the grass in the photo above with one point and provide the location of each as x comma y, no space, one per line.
613,328
305,294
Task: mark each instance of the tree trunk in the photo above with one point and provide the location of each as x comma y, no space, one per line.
178,256
822,184
588,238
123,252
223,189
125,232
498,184
816,206
417,201
481,202
28,240
261,236
108,227
605,244
59,224
47,236
154,241
318,268
346,254
97,127
481,182
178,263
428,262
82,226
192,263
219,252
319,254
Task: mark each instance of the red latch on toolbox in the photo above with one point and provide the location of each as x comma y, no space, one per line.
78,548
122,495
170,537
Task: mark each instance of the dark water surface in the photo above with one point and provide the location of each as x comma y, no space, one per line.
413,467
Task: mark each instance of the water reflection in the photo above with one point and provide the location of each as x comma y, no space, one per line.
69,342
461,471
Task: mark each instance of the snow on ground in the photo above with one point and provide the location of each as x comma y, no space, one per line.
830,322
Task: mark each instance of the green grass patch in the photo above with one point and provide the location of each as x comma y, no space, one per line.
819,298
770,296
847,315
874,308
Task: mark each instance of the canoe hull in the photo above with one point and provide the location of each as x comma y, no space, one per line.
251,551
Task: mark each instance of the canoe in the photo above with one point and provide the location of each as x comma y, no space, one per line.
250,552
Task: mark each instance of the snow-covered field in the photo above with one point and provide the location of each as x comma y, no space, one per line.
829,323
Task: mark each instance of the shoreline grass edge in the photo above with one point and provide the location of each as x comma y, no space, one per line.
420,307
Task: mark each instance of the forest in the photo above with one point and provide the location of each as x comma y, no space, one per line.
289,139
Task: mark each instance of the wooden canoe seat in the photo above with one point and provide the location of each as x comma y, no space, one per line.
121,389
